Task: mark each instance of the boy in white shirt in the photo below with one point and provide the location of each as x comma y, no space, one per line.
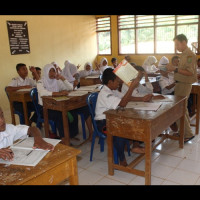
22,82
110,98
9,133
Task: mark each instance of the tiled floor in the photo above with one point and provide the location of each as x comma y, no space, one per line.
170,165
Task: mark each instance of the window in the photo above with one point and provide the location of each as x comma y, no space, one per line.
126,34
153,34
103,35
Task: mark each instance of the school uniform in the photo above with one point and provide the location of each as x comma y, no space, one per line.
84,73
18,106
140,91
166,81
102,68
12,133
109,99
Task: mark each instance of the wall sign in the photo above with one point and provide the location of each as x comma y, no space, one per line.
18,37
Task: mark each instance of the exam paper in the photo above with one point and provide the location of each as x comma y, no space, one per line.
144,106
25,90
92,76
25,155
89,87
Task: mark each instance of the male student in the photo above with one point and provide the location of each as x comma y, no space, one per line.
185,75
22,82
110,98
9,133
36,73
114,62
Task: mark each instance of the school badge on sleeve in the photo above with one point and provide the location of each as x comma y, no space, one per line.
189,59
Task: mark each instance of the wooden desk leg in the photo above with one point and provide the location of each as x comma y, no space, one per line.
46,122
66,128
12,113
25,113
182,127
110,154
197,114
73,180
148,159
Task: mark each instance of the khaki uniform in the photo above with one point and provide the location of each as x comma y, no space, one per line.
184,83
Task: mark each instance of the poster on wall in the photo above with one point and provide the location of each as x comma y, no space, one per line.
18,37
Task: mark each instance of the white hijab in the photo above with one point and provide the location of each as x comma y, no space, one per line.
148,64
49,84
84,72
102,68
163,62
69,71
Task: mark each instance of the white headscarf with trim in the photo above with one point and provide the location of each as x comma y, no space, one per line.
69,71
148,64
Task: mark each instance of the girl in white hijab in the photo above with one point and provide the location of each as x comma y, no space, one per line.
88,70
103,65
53,84
55,64
149,66
163,62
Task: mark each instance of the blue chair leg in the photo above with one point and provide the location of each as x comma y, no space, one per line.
38,124
116,160
53,126
92,145
128,148
83,126
21,119
101,140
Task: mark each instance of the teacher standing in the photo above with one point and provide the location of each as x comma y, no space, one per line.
185,75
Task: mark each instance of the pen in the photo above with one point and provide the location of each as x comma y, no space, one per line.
29,153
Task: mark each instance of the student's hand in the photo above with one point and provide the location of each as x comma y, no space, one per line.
41,144
147,97
78,66
32,69
6,154
75,83
97,66
170,68
59,76
158,97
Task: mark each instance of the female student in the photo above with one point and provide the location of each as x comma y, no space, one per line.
70,72
88,70
10,133
110,98
103,65
149,66
53,84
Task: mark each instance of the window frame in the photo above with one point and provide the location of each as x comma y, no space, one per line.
104,31
154,27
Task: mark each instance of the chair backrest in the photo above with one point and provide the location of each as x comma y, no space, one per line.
34,97
91,102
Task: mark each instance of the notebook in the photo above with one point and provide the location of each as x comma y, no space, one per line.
144,106
126,72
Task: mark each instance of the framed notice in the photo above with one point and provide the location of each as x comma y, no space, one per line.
18,37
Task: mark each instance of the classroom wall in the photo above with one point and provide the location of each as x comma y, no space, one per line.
138,59
52,38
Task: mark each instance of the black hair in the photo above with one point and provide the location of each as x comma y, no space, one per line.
198,60
38,68
113,60
139,68
181,38
174,57
108,74
19,65
133,64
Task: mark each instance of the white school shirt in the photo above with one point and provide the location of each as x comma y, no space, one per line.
164,82
42,91
140,91
18,81
107,99
12,133
84,73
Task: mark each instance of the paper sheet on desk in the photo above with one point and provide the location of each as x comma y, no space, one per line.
89,87
144,106
93,76
25,155
77,93
166,99
25,90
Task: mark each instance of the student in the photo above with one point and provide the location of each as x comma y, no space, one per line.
58,69
103,65
22,82
175,61
110,98
141,92
114,62
53,84
149,64
128,58
10,133
166,82
88,70
70,72
36,73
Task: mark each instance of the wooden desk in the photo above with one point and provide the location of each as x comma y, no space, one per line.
23,97
63,106
55,167
143,126
196,90
89,81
